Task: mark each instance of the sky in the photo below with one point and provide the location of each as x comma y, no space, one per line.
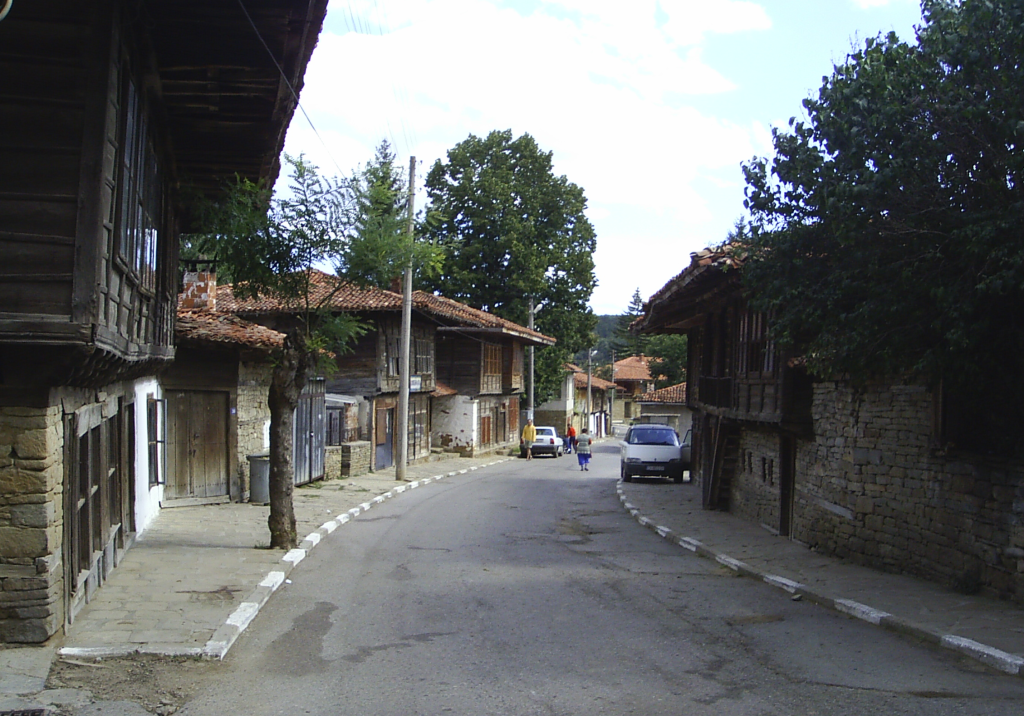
650,106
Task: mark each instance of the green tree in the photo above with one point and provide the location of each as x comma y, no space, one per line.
378,249
885,231
627,343
668,352
511,230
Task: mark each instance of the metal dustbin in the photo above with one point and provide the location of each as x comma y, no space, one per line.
259,478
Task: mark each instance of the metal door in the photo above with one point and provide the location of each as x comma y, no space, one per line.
310,432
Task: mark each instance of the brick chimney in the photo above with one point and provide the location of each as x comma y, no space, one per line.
200,290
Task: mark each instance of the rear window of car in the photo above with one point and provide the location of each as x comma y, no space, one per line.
546,431
653,436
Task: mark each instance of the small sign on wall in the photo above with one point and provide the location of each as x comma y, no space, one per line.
415,382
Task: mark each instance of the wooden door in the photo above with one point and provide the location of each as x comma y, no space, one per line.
197,445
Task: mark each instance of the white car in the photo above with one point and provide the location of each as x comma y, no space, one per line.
654,450
547,443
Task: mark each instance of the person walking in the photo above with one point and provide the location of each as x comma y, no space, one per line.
529,436
583,443
571,435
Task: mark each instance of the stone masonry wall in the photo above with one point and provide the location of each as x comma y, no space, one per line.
31,522
349,459
871,488
755,493
253,412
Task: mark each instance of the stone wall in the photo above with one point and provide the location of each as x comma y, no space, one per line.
349,459
872,488
755,493
31,522
253,413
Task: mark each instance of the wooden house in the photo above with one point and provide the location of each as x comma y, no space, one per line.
633,377
569,407
862,471
108,111
369,368
480,375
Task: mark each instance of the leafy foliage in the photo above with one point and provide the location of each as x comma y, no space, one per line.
378,248
510,229
885,232
626,343
669,359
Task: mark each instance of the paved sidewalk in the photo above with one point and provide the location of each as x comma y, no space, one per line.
198,575
985,629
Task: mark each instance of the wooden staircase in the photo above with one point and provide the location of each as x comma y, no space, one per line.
725,457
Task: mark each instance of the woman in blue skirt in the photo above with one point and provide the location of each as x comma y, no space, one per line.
583,443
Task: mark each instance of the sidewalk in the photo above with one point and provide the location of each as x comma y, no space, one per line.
985,629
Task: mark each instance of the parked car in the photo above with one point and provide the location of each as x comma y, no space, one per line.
547,443
652,449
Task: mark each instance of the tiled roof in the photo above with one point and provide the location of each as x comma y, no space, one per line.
671,394
448,309
205,326
333,293
327,291
580,381
633,368
725,256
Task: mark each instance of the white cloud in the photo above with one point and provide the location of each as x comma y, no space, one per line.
869,4
690,20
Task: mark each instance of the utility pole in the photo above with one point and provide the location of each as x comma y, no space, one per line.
402,427
611,401
590,412
529,402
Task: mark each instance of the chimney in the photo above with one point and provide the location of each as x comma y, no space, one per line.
200,290
396,285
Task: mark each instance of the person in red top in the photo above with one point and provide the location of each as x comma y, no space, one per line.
571,434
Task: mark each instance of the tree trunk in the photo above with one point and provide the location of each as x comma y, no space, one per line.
290,375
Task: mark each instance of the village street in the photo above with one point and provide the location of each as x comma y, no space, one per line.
525,588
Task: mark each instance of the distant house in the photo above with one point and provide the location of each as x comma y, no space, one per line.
668,406
108,110
477,357
864,471
570,406
480,375
632,375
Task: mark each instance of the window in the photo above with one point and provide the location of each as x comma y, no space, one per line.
139,192
424,356
492,360
156,419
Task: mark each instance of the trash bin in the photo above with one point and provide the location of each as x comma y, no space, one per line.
259,478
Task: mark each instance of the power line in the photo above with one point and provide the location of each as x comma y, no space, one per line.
287,82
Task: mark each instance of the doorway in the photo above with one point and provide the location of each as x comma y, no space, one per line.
383,433
197,445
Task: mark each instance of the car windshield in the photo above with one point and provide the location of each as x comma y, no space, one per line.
653,436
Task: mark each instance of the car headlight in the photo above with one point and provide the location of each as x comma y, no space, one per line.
676,459
632,459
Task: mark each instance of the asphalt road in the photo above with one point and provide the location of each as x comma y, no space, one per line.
526,589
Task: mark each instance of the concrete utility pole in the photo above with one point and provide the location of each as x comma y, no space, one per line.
402,427
590,411
611,401
529,397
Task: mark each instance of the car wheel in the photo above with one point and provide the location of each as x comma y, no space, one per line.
678,478
522,454
558,453
626,477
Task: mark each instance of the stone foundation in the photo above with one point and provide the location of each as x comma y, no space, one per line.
31,523
348,459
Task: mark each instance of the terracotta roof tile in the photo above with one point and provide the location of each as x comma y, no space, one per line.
336,294
449,309
633,368
326,291
671,394
580,381
442,390
205,326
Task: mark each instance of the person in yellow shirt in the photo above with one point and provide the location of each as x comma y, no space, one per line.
529,435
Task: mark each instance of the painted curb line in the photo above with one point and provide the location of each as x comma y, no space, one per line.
996,658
